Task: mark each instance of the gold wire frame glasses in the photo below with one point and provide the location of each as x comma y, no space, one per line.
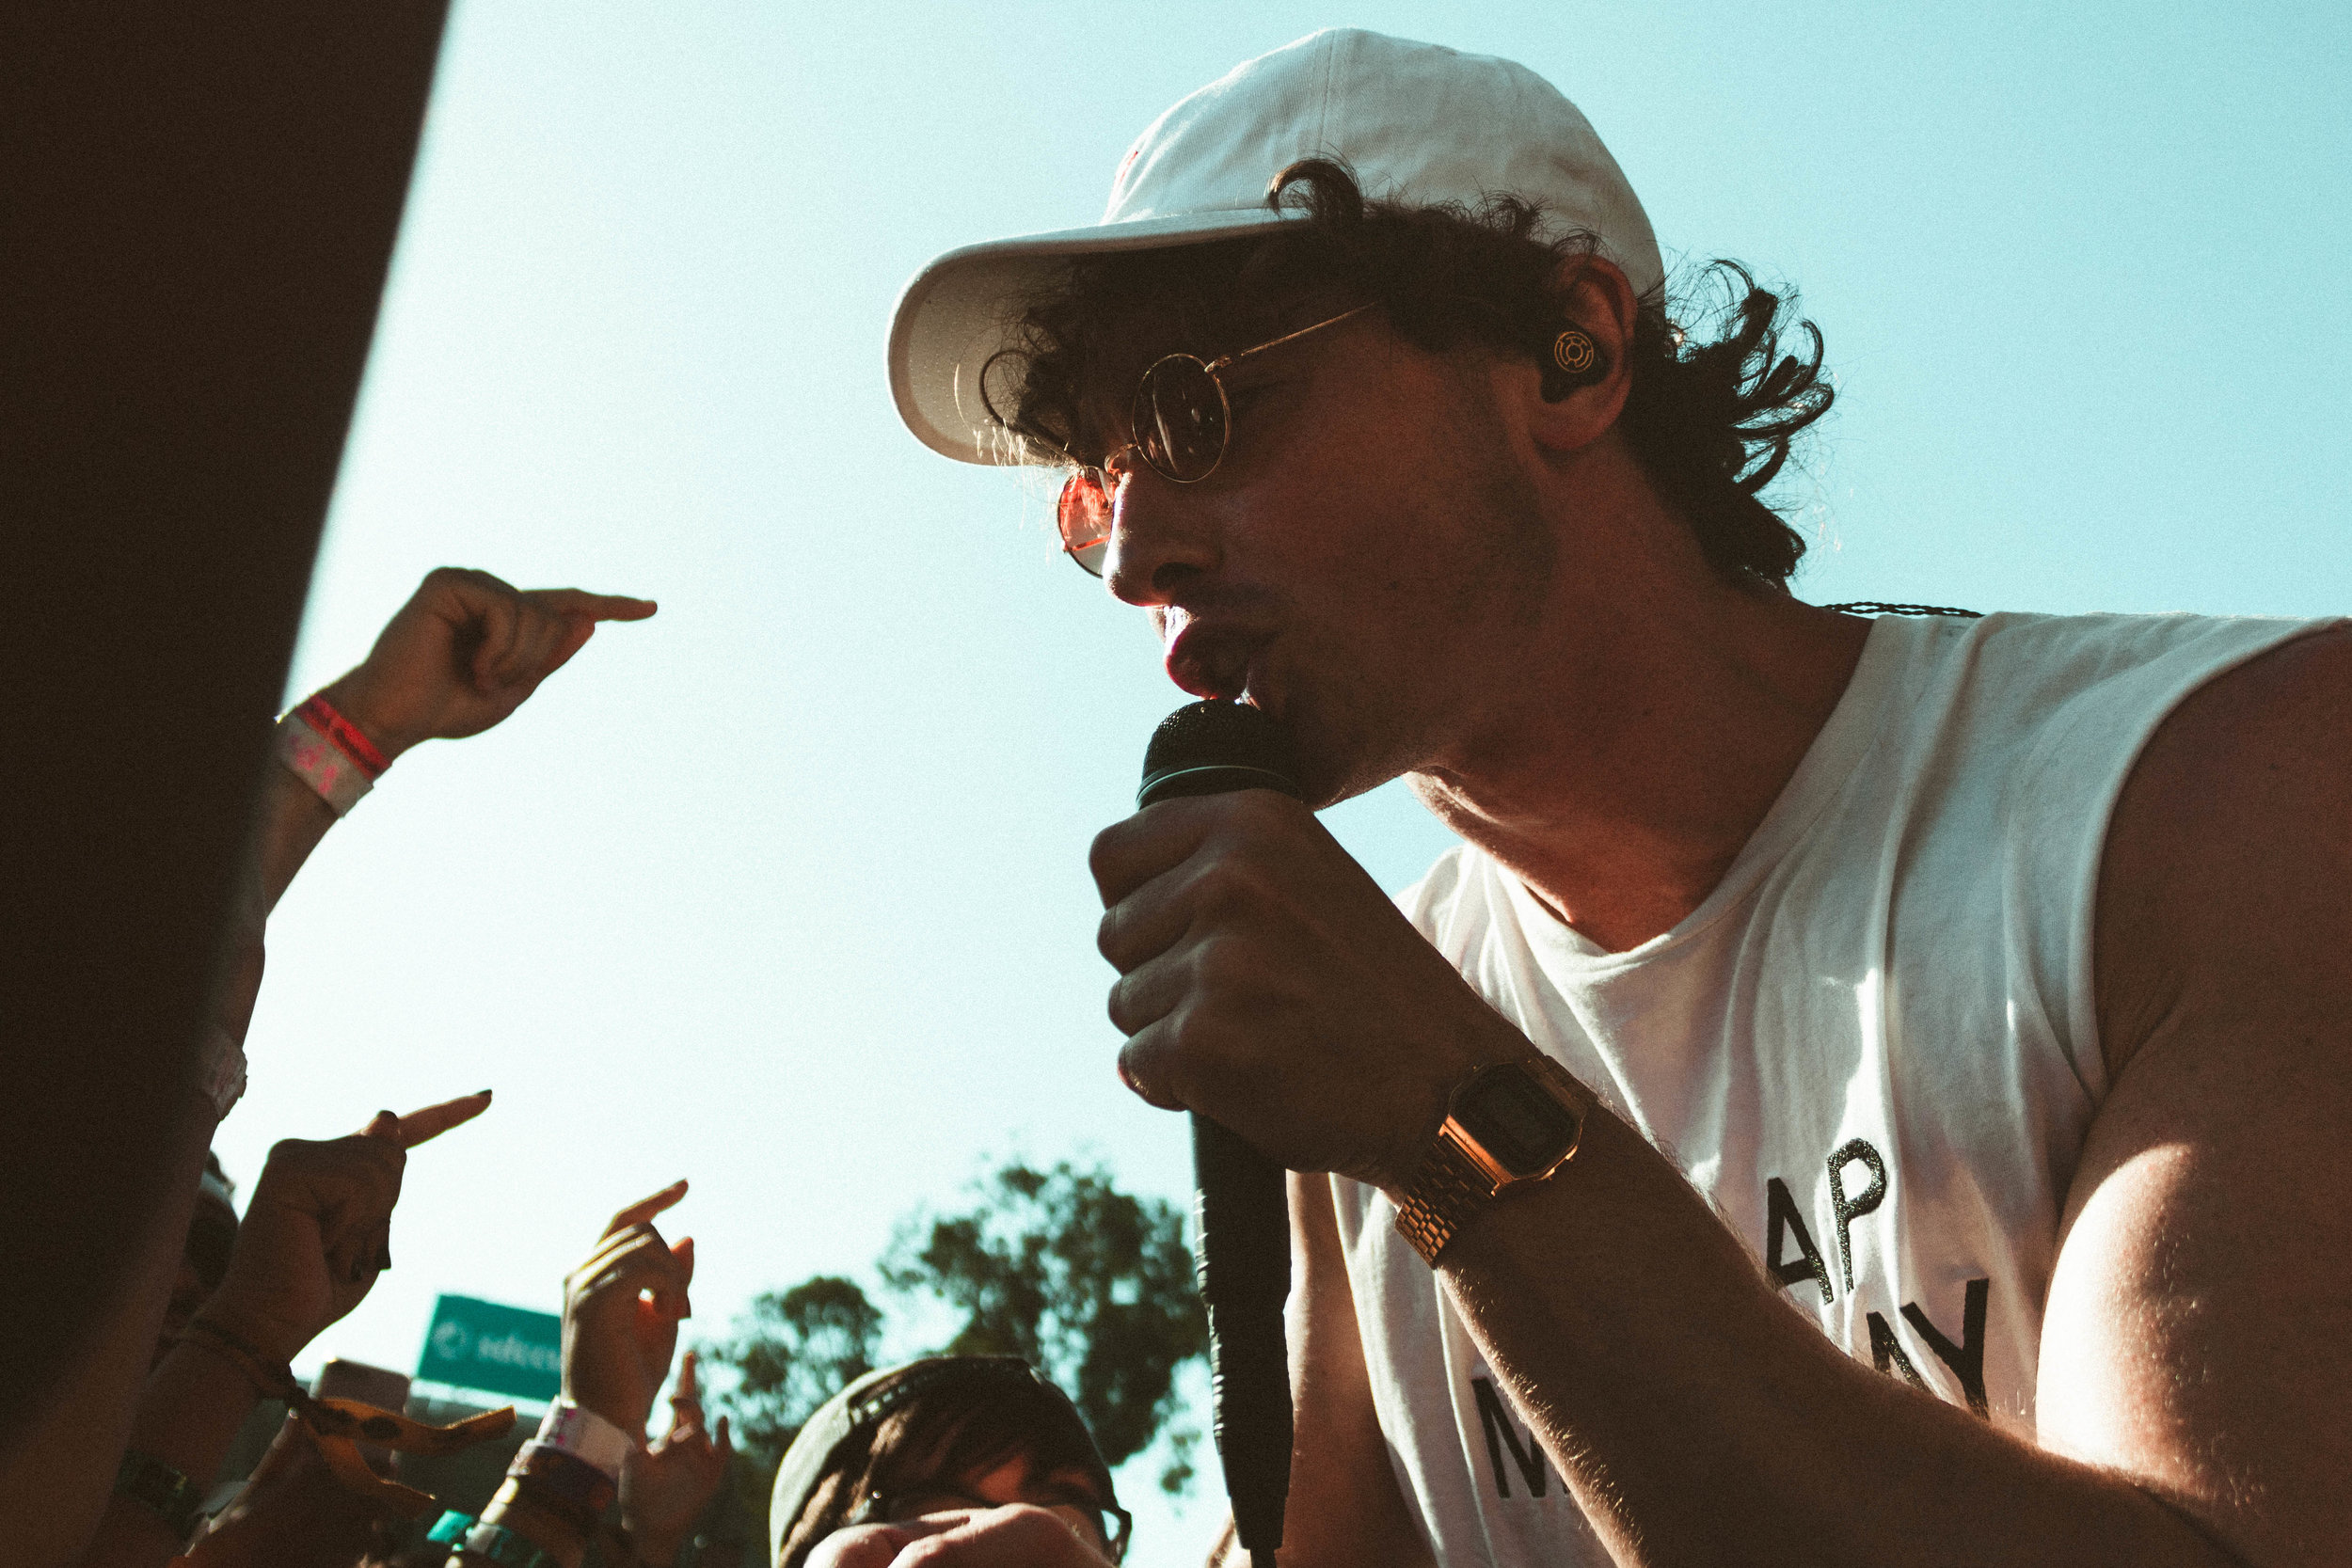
1183,421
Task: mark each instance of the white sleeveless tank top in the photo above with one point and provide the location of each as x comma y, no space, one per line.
1873,1048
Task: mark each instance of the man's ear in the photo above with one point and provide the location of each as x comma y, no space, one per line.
1583,371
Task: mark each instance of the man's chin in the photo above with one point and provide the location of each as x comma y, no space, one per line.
1331,769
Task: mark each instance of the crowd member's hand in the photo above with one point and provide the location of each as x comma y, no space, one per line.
1266,982
1014,1536
621,1312
317,1231
292,1513
665,1488
464,652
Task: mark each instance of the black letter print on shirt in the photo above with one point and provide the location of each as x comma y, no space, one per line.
1965,1359
1786,1216
1887,1351
1496,1417
1848,1212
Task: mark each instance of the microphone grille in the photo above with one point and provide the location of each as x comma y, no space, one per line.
1209,748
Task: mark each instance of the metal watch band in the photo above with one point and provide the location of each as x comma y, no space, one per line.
1451,1188
1446,1192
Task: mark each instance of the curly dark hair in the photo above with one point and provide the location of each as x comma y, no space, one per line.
1710,416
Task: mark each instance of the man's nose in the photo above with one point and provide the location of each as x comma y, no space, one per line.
1159,539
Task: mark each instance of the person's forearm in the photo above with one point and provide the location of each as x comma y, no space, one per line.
1698,1419
293,818
292,1513
557,1538
291,821
188,1415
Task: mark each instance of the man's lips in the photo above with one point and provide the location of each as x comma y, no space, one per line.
1209,658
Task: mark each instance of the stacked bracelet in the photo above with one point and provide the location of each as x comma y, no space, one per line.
450,1528
326,750
505,1547
564,1483
166,1492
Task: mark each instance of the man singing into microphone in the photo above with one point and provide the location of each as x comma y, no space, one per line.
1873,1087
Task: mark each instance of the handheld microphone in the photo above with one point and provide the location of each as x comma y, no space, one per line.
1240,1219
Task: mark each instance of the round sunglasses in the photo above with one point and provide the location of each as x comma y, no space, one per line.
1183,421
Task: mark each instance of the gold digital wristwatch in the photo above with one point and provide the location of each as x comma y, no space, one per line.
1507,1127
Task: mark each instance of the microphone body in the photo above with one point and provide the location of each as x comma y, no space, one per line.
1240,1217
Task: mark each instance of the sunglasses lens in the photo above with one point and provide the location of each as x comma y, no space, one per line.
1084,515
1180,419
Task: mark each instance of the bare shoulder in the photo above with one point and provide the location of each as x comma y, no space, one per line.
2198,1329
2230,841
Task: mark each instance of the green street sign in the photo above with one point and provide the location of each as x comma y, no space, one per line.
499,1350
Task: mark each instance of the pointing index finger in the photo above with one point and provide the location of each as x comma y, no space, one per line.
431,1122
646,1208
594,607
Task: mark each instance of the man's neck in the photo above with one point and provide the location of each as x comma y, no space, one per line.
1623,783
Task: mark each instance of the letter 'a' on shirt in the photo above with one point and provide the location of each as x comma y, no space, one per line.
1873,1048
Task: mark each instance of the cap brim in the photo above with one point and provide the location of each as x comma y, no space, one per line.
955,313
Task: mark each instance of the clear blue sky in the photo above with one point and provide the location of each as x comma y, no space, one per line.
786,890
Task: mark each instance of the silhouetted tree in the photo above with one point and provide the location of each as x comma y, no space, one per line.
791,1353
1089,1284
1086,1282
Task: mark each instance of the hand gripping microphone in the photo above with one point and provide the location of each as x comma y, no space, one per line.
1241,1218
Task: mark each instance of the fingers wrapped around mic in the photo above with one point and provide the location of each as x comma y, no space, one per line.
1127,855
1267,983
1206,893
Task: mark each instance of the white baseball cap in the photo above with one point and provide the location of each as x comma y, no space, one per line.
1416,122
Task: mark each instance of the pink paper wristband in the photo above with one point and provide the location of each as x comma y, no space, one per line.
322,715
327,752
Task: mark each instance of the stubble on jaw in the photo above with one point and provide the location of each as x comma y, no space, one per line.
1482,595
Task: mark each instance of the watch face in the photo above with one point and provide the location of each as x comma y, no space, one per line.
1519,1125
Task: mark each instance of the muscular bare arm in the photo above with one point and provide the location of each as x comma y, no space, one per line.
2200,1327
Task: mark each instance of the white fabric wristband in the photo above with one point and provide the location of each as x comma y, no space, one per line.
584,1434
321,764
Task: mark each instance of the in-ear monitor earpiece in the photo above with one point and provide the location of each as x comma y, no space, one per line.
1573,351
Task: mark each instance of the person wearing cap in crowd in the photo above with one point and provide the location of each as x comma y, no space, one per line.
979,1455
1869,1086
